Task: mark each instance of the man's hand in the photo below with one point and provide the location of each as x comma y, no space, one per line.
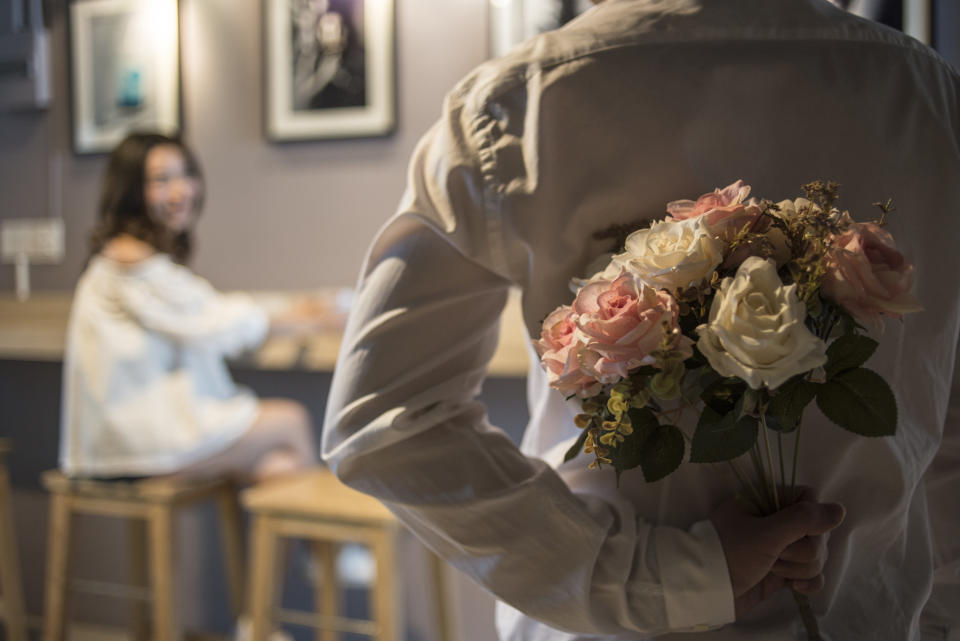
766,553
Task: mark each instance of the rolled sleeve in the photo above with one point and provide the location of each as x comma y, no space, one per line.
696,580
404,424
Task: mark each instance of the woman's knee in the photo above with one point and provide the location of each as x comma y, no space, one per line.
285,412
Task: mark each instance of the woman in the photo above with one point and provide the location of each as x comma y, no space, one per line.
146,389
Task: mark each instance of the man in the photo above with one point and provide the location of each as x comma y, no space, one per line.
635,104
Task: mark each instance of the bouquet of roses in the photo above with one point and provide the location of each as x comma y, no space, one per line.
742,312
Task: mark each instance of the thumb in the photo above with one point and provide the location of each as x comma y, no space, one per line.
805,518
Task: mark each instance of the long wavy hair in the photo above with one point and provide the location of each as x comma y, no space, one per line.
123,206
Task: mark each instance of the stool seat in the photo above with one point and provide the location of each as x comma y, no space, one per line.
317,493
149,505
316,507
161,489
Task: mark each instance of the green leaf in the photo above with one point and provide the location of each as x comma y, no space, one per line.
662,453
859,400
577,447
721,437
723,395
848,352
787,404
629,454
644,421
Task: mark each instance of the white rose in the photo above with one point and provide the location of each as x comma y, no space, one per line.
603,267
756,330
672,254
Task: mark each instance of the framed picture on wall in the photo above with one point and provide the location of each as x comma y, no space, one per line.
329,69
513,21
124,70
913,17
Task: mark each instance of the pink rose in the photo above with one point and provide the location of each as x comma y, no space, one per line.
868,277
559,349
622,322
724,210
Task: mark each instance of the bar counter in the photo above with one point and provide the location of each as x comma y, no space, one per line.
35,329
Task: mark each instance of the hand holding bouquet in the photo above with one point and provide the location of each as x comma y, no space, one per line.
742,312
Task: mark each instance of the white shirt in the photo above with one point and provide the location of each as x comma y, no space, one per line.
146,390
635,104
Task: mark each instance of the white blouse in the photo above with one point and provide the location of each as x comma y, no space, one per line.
635,104
146,390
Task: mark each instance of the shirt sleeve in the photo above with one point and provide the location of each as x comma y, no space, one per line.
176,303
404,425
943,502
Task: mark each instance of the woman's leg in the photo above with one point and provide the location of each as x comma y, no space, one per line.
290,421
280,441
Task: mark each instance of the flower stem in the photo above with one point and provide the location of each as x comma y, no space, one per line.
796,462
762,476
783,474
807,616
745,483
766,444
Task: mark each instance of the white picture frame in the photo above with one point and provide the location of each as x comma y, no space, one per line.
125,70
513,21
916,14
329,69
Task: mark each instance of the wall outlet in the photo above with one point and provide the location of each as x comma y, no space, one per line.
40,240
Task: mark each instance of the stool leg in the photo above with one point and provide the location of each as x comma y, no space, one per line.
441,601
160,520
137,538
263,587
10,566
327,592
231,531
58,567
384,591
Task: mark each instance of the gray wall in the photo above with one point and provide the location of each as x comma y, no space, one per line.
289,216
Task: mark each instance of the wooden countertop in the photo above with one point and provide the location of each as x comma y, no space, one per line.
35,329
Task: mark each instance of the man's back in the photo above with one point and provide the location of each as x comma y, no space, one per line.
635,104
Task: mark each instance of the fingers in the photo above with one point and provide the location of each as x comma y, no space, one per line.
801,564
809,586
806,493
803,519
807,549
757,594
797,571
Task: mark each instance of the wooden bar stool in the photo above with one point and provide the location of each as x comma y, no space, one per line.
11,589
150,506
317,507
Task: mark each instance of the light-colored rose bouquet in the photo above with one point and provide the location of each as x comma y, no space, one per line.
742,312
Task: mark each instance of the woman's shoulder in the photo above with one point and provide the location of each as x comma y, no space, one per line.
127,251
136,270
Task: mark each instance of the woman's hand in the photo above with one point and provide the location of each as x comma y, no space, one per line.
306,315
788,547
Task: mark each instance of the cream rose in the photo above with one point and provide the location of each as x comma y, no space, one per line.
756,330
672,254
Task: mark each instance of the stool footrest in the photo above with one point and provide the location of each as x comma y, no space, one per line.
321,622
115,590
